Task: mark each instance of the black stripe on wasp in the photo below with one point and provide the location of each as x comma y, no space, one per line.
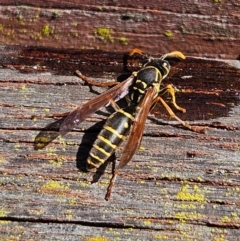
143,89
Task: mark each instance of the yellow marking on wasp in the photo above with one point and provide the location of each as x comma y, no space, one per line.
159,77
157,87
109,128
92,163
156,77
139,90
134,73
126,114
107,141
166,73
111,116
126,125
101,150
142,82
95,157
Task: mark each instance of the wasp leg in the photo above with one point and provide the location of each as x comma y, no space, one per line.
110,186
91,82
172,115
51,115
136,51
113,104
171,90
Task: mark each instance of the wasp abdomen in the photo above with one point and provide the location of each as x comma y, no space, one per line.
111,136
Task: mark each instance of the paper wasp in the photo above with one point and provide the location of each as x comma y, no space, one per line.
143,89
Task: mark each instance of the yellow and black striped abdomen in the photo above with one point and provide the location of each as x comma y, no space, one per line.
111,136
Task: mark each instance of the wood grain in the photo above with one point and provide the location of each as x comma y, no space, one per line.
206,28
181,185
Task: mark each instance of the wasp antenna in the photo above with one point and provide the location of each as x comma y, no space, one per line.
136,51
174,54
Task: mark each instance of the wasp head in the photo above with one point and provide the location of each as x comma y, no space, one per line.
162,65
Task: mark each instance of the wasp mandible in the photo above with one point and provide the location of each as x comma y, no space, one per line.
143,89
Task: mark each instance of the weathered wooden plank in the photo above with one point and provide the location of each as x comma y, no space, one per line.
205,28
181,185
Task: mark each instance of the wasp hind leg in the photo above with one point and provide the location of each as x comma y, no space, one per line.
172,115
110,186
91,82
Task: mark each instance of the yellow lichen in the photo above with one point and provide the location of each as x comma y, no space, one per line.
46,30
16,147
35,212
186,206
123,40
97,238
104,34
160,237
141,148
23,87
3,212
219,239
58,162
168,33
69,214
4,222
54,185
83,184
187,194
235,216
2,159
72,202
147,222
226,219
51,151
187,215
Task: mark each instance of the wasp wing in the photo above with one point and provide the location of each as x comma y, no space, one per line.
135,137
85,110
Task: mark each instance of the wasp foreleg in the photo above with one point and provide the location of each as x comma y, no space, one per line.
171,90
91,82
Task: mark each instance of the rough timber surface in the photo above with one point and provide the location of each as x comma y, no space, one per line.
180,185
207,28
